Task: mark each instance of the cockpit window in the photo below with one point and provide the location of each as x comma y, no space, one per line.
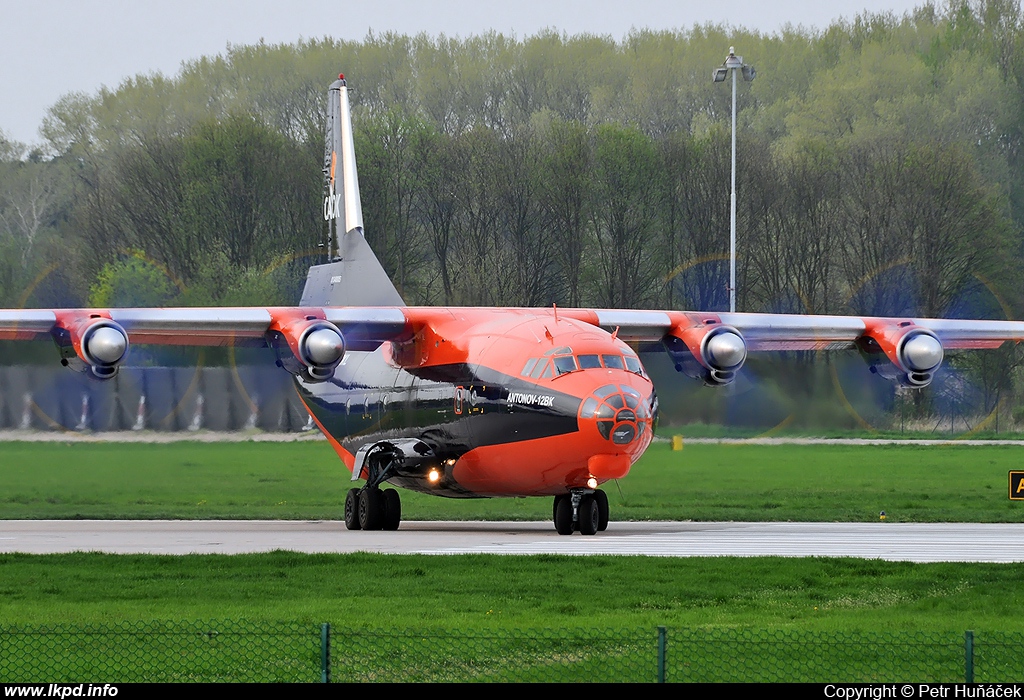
539,369
565,364
613,361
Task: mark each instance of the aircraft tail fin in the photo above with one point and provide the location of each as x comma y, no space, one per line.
353,276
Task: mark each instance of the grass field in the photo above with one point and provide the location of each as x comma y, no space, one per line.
306,480
481,591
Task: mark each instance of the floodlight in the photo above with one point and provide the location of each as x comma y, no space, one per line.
732,64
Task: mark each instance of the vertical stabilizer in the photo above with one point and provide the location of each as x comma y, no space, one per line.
354,276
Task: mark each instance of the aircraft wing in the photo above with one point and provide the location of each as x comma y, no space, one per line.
713,346
312,340
764,332
371,326
206,325
309,340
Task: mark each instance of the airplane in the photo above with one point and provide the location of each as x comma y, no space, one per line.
480,402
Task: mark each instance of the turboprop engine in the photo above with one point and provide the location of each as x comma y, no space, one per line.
93,344
307,347
902,352
710,352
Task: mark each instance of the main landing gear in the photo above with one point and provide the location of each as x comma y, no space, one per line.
371,508
581,509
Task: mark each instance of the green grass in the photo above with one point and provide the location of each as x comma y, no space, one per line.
306,480
481,591
941,432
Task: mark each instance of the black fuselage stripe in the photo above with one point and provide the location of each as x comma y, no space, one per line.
369,400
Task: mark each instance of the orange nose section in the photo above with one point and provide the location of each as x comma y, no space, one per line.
616,420
608,466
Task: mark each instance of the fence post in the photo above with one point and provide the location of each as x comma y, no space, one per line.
325,652
969,656
661,653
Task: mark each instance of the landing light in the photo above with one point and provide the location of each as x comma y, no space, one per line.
433,476
591,483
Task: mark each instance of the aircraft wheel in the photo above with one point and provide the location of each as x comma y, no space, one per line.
371,509
602,509
352,509
392,510
563,515
589,516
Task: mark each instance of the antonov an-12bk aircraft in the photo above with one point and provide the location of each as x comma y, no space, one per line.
480,402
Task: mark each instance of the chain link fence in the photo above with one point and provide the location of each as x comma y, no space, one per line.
160,652
562,655
298,652
165,399
759,656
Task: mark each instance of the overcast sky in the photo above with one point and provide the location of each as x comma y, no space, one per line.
52,47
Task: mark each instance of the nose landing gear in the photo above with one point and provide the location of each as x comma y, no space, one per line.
580,509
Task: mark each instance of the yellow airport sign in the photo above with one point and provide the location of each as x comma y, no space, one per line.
1017,485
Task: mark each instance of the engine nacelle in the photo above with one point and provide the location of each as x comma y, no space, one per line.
307,346
710,352
93,344
902,352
